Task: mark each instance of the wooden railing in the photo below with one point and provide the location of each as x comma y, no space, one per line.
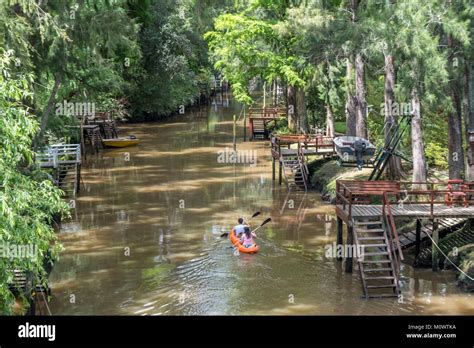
357,192
394,246
430,197
304,167
305,141
267,113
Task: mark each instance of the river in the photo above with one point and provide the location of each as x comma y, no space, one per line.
144,238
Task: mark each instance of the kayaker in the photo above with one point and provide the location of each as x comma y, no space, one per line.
240,228
247,238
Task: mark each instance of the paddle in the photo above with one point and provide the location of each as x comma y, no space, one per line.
225,234
263,224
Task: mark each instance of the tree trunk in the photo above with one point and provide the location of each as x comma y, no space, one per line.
419,161
275,93
469,96
292,112
361,106
455,136
329,120
301,110
394,169
350,101
455,146
49,106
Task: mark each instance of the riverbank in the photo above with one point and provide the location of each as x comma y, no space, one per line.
325,172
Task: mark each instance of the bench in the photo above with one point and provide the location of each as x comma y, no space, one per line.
361,191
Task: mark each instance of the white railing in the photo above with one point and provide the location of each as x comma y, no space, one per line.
56,154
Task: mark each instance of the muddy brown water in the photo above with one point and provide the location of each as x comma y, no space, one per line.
144,238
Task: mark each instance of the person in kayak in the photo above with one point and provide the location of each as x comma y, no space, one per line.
247,238
240,228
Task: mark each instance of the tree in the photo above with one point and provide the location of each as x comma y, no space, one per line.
456,37
423,69
28,199
246,46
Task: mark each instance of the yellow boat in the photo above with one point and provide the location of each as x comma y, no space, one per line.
121,142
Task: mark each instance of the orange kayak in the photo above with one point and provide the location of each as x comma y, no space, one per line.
242,249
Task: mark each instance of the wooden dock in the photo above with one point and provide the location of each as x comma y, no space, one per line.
310,145
408,239
415,210
64,160
292,153
260,118
369,210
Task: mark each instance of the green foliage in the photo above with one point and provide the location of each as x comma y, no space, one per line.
250,45
174,59
436,155
279,127
340,127
28,199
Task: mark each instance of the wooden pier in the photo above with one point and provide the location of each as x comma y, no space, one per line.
369,209
310,144
259,118
409,239
92,136
65,162
292,153
107,127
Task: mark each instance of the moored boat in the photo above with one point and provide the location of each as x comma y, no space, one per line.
354,149
121,142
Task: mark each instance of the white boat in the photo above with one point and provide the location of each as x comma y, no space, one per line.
354,149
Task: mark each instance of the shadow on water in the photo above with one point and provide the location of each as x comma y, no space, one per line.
144,239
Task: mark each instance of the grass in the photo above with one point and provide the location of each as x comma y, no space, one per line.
340,127
324,174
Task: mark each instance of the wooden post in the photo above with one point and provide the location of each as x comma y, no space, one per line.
235,140
83,144
273,168
339,234
280,172
434,249
264,95
78,176
350,242
418,237
245,125
250,127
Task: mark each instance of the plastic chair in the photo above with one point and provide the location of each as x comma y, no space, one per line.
456,193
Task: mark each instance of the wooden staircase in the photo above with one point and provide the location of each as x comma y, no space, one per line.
378,266
259,129
295,173
68,178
